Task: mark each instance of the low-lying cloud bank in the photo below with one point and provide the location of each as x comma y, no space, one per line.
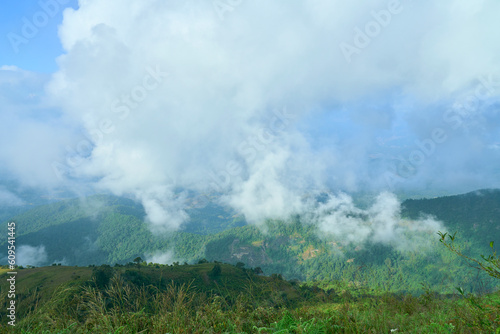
30,255
380,223
161,257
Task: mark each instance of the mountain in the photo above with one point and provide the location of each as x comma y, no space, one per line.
475,215
16,198
107,229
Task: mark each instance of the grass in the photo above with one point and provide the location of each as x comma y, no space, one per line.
186,299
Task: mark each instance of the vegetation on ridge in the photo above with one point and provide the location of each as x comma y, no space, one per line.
152,298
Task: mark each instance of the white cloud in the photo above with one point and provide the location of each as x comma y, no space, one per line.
161,257
8,198
33,133
9,68
380,223
168,94
29,255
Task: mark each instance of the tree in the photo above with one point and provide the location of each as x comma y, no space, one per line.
216,271
138,261
258,270
101,275
240,265
489,264
277,277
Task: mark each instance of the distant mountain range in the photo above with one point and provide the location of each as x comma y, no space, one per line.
108,229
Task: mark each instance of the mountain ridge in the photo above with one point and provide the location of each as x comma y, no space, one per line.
112,230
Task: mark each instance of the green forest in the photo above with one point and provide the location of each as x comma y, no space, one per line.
280,277
111,230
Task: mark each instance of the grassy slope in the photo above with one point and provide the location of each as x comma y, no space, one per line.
234,302
47,284
44,280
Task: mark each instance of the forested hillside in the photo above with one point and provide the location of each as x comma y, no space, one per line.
106,229
475,215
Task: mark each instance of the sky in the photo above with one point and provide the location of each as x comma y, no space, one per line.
262,102
37,49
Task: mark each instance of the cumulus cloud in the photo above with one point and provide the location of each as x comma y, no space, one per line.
176,95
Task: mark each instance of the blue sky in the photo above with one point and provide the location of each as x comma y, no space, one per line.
40,52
